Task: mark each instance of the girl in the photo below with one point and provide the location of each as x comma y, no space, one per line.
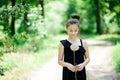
65,53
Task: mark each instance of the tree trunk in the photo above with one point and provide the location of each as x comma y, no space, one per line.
98,20
25,17
12,27
6,24
118,18
42,5
25,21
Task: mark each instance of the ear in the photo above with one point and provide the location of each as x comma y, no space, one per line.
78,29
67,30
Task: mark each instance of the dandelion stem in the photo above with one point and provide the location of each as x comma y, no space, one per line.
75,65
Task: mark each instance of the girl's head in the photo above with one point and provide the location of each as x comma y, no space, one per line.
72,25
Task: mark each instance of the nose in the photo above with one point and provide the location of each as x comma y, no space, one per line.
73,33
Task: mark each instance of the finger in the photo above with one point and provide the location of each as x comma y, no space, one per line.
72,69
76,69
79,68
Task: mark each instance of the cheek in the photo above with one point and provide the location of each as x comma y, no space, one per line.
69,32
78,31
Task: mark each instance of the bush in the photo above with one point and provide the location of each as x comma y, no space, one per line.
8,45
20,39
54,17
2,70
116,57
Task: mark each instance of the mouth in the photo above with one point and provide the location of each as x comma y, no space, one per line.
73,35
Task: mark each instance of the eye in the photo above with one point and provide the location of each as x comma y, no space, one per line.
76,30
71,30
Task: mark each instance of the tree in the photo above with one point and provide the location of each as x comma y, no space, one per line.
42,5
115,7
98,20
71,8
110,16
27,4
12,27
6,17
25,19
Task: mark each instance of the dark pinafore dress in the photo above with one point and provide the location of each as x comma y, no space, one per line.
68,57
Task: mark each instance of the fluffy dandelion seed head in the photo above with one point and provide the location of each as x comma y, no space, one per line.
74,47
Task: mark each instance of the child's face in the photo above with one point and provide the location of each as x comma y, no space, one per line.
73,30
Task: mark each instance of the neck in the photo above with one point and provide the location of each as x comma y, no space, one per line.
72,38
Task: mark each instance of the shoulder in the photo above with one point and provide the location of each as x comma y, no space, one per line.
85,45
63,42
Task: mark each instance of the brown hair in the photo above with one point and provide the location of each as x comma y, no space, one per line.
73,20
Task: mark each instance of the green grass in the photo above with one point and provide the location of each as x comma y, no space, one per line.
84,36
114,38
116,57
18,64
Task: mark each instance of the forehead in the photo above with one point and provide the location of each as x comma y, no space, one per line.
73,26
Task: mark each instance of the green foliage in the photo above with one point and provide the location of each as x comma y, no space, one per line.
72,8
1,52
34,44
110,10
109,13
36,22
11,61
86,12
20,39
116,57
2,70
8,45
19,63
2,2
16,11
114,38
54,16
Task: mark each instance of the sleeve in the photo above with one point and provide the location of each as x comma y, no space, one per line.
62,42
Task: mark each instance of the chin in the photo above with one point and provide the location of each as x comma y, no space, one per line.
73,36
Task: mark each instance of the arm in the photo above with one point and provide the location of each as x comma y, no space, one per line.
87,59
60,59
60,56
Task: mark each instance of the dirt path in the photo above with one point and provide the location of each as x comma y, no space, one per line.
50,71
99,68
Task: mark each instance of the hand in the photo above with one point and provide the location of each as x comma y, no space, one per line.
79,67
71,67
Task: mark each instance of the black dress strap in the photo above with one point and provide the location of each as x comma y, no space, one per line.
81,42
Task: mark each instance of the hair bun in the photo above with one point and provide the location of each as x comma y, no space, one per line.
75,16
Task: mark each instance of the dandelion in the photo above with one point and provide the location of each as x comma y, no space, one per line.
74,47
